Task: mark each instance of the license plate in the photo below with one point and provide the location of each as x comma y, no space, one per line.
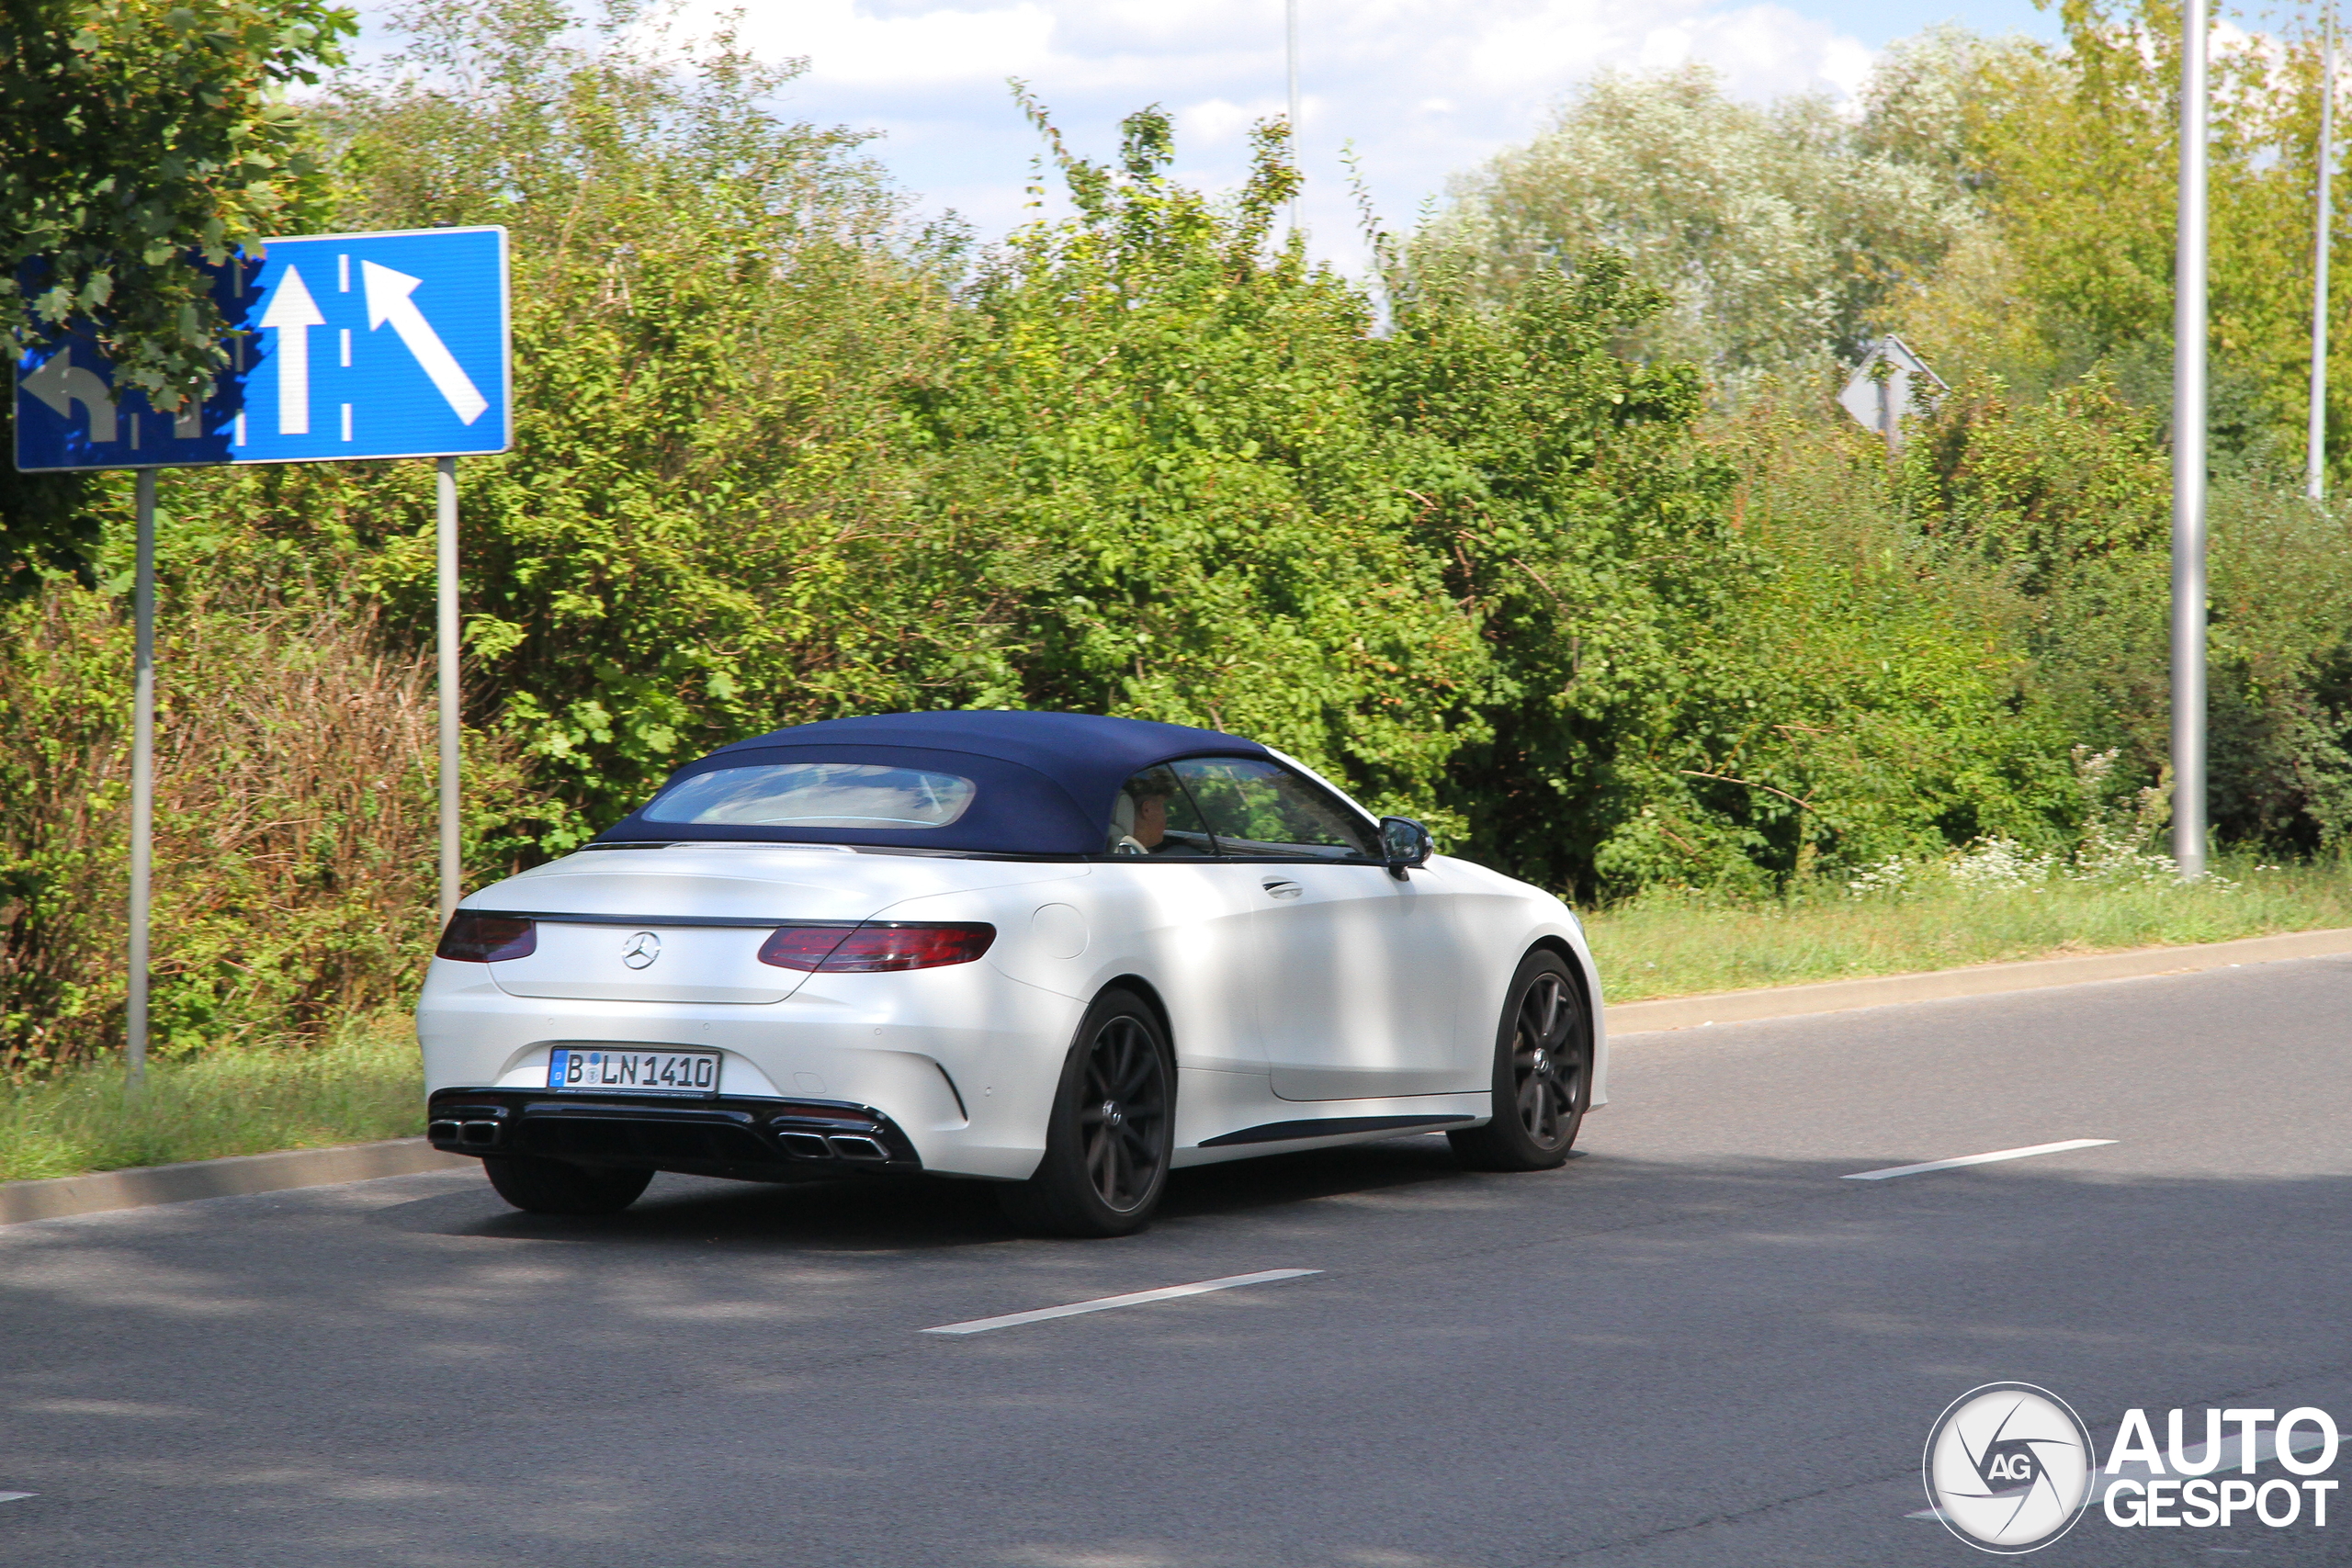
633,1071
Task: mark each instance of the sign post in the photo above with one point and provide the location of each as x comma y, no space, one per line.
142,781
445,606
313,377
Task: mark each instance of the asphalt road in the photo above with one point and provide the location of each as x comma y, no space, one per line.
1695,1345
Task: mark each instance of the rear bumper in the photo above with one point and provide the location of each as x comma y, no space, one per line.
751,1140
959,1059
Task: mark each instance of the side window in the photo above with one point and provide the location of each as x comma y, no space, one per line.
1153,816
1263,808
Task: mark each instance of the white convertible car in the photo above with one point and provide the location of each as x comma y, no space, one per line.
1059,952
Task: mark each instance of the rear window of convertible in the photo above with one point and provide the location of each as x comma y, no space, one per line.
817,794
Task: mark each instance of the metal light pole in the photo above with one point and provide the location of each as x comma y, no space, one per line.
1290,21
446,615
2189,461
2315,474
143,784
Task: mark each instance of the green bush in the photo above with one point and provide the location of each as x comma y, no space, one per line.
782,455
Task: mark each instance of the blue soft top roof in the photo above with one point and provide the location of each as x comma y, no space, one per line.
1046,780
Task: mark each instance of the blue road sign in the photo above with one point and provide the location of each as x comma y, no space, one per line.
342,346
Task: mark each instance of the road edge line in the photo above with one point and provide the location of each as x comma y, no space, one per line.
1976,980
142,1187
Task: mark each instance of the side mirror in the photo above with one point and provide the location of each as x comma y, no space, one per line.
1404,845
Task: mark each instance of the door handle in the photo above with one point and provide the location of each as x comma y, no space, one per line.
1281,888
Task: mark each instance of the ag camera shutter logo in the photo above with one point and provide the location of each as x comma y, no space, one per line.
2008,1467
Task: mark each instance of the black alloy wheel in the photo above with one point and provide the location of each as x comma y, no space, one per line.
1543,1081
1546,1065
1113,1129
1121,1113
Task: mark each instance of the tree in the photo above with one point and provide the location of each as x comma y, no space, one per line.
135,137
2071,152
702,531
1191,495
1773,233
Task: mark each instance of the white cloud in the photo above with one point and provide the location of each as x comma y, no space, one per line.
1220,124
852,46
1662,49
1422,88
1846,67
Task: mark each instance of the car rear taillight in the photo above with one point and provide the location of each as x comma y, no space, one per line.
801,947
891,946
908,946
486,939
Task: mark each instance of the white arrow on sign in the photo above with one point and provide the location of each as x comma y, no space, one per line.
387,300
60,386
291,314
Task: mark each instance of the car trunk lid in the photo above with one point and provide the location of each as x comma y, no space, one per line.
684,922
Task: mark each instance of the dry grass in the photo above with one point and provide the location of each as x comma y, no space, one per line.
294,820
1669,946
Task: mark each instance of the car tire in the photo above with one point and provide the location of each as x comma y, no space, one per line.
1111,1133
1542,1082
556,1186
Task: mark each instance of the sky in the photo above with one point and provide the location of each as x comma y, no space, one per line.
1422,89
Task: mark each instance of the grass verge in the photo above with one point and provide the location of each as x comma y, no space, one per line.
1670,946
365,1083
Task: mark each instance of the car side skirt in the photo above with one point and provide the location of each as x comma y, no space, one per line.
1336,1126
1350,1122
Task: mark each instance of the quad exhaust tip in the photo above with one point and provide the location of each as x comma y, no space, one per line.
855,1136
837,1145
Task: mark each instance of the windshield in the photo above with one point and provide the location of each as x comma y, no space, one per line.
817,794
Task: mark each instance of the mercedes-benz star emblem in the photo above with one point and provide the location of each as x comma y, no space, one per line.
640,950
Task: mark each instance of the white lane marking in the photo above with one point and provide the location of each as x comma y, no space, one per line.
1136,1298
1977,1159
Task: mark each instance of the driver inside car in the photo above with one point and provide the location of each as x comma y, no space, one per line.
1154,817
